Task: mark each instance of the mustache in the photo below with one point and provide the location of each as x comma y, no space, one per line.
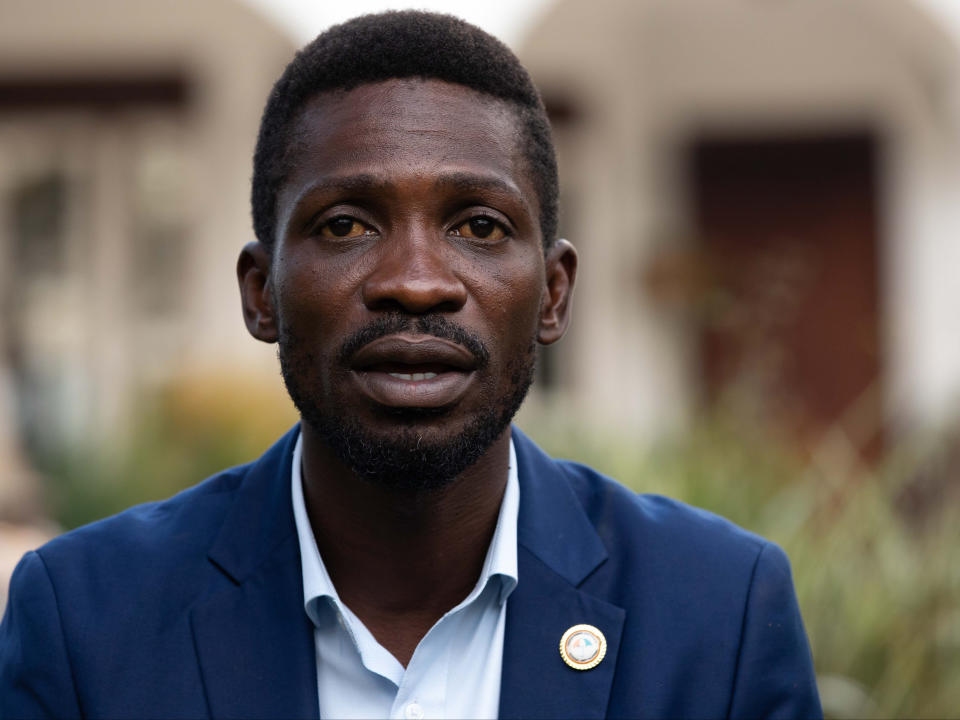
435,325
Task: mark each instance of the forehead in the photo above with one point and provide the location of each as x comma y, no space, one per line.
408,128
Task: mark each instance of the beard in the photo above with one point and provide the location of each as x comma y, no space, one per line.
407,459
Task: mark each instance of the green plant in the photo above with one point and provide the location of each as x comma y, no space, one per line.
178,436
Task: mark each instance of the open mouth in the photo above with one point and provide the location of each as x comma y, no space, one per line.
410,373
414,377
413,371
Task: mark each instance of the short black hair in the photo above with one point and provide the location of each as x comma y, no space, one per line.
401,44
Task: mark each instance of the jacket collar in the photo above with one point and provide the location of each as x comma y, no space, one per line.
255,643
558,550
553,525
253,639
261,515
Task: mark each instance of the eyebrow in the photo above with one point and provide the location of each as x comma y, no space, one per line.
472,182
368,182
348,183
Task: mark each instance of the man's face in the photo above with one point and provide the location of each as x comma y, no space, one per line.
408,283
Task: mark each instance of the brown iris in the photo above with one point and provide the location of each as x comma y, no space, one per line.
343,227
481,228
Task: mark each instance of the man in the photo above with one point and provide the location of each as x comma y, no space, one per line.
403,552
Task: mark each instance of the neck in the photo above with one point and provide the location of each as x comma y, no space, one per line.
401,560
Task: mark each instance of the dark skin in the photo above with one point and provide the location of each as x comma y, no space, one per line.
410,197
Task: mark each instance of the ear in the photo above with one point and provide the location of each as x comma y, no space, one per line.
256,294
561,272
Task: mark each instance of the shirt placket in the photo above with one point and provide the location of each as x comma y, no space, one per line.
423,690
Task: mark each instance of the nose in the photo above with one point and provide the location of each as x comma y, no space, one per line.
414,273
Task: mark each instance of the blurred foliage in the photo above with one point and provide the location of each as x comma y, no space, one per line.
179,435
874,548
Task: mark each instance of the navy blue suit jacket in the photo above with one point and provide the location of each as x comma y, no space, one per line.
193,607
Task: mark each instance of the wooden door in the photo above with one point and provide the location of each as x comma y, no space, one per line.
790,326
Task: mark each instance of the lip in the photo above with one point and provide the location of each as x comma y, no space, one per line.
444,371
413,350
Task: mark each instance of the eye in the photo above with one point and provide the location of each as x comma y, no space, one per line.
480,228
344,227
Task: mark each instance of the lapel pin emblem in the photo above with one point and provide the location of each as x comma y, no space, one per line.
582,647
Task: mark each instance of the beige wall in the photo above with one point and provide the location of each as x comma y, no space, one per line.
649,75
91,327
231,56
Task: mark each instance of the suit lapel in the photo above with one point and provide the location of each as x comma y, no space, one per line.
558,549
253,639
535,680
256,650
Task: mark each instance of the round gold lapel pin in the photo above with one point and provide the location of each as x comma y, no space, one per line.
582,647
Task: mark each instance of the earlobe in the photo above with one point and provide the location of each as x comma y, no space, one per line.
256,295
561,272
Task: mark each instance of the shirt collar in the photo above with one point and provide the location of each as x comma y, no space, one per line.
501,559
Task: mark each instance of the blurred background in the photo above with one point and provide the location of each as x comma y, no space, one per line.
766,198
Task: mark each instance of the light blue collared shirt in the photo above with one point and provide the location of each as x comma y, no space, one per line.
454,671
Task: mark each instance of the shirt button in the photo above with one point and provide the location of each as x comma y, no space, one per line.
413,711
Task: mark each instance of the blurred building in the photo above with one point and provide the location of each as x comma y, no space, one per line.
765,194
766,197
126,133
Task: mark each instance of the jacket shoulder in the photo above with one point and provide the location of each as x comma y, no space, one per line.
708,603
151,555
175,526
661,525
118,598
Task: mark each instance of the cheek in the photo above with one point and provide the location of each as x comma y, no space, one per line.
513,304
528,288
314,296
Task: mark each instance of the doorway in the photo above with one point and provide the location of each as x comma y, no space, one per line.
789,323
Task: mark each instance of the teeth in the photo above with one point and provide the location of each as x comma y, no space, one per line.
414,376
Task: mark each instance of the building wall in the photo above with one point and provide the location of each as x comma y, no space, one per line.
139,285
646,77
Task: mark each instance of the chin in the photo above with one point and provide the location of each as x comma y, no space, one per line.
410,458
414,450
